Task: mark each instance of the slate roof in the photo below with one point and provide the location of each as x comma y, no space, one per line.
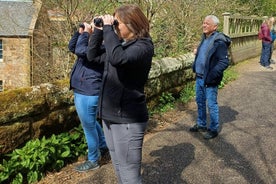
17,18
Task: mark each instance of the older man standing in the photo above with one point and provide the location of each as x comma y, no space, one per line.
210,62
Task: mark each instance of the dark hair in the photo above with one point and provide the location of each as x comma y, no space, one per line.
135,20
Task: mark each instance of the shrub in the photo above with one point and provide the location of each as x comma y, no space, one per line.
30,163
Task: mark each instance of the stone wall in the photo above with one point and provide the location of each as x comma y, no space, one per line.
32,112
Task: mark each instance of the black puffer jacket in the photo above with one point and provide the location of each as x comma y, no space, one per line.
126,70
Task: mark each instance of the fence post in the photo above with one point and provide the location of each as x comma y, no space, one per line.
226,23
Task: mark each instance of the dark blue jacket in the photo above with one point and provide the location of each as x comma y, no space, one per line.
217,59
127,66
86,77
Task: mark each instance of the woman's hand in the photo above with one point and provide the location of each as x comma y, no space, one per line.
108,19
87,28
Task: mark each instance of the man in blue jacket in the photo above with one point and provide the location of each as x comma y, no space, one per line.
210,62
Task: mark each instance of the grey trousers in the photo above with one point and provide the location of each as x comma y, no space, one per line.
125,141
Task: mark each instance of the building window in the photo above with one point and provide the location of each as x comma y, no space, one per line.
1,51
1,86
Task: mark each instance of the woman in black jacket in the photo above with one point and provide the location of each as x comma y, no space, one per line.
86,81
127,54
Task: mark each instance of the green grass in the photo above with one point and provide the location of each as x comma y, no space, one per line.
229,75
167,100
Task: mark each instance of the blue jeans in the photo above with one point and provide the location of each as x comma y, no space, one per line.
125,141
86,107
266,54
207,94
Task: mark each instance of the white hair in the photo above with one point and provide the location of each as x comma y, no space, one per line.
214,18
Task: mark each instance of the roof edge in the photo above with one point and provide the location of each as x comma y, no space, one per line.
37,5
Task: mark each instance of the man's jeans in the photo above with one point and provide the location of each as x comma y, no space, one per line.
266,54
208,94
86,107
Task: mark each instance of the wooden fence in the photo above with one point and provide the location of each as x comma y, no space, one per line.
243,31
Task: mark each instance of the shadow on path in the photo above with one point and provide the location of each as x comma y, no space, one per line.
171,161
227,114
168,165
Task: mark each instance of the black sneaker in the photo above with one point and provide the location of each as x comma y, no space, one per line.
210,135
86,166
197,128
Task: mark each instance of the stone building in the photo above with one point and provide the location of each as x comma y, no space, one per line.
25,52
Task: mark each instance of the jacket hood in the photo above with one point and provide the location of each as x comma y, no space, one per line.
226,39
